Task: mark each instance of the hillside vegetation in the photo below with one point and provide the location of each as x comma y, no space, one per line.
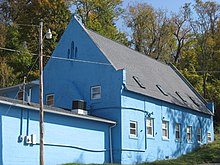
209,153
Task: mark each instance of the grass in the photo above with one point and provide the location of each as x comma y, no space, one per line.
209,153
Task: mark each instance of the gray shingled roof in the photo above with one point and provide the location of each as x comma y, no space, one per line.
150,73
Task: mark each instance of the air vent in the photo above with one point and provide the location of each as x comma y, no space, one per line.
194,101
138,82
79,107
178,94
161,90
79,104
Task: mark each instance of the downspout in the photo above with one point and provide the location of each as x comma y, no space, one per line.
110,142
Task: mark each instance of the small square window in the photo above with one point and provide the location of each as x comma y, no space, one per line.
165,130
20,95
189,133
199,137
50,100
96,92
133,129
150,126
209,137
177,131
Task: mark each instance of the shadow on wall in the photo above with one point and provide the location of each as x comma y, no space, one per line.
188,118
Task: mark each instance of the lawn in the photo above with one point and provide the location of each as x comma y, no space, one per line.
209,153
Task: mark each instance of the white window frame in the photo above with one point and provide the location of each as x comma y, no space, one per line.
209,137
48,101
177,131
150,126
133,129
96,92
199,135
189,134
165,129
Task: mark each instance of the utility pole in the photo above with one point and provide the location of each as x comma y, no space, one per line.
24,83
41,94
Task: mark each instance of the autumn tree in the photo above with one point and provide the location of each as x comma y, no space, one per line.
204,28
151,32
181,30
100,16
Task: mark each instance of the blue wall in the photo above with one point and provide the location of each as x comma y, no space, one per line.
71,78
67,139
30,90
136,107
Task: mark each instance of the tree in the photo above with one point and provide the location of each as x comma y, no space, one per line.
99,15
18,18
181,28
204,28
151,31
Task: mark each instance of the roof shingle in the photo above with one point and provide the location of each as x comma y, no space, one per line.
150,73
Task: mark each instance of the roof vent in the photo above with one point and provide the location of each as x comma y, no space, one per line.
161,90
178,94
79,106
194,101
138,82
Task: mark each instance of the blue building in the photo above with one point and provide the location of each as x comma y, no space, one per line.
106,103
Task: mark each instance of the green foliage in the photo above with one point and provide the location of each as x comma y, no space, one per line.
152,33
21,21
206,154
6,74
99,15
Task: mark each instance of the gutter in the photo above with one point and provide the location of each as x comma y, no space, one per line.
58,112
110,142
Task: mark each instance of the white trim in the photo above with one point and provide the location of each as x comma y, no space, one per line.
59,112
179,131
150,126
166,128
190,133
209,133
135,135
95,95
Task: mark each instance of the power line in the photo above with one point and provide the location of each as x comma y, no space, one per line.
19,51
59,58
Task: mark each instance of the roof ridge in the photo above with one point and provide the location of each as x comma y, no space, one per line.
140,53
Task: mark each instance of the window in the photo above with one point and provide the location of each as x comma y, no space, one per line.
189,133
199,137
20,95
50,99
165,129
133,129
150,126
95,92
209,136
177,131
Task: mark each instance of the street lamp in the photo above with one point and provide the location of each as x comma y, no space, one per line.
48,35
